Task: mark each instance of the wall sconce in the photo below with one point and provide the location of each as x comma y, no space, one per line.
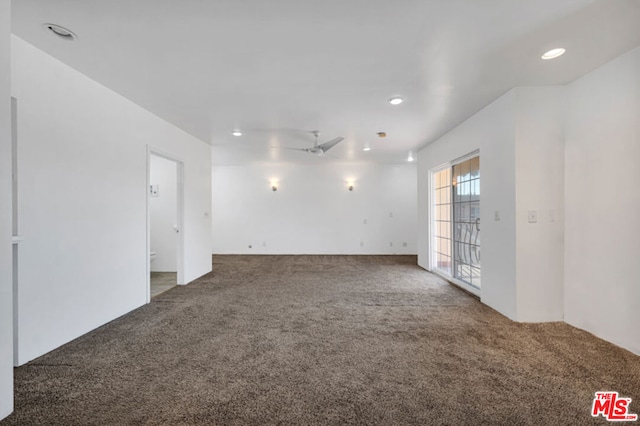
350,185
274,185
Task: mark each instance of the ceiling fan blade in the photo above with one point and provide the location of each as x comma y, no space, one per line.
291,149
330,144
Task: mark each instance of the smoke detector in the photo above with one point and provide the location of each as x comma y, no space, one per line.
60,31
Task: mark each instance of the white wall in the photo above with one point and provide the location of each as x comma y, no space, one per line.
6,283
520,139
83,189
313,212
492,131
602,201
163,212
539,188
575,151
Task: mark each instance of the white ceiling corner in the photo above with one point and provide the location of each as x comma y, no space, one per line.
279,69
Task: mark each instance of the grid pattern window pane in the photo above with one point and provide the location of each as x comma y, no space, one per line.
441,225
466,221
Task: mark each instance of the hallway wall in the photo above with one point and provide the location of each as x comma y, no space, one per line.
602,231
83,201
6,283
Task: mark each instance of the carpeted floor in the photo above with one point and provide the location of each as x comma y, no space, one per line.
300,340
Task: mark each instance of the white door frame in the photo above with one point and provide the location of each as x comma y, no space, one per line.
15,237
180,214
451,278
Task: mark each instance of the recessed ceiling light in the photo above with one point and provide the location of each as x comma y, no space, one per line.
236,133
60,31
366,148
553,53
410,157
396,100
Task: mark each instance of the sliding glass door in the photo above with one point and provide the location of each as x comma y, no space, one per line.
455,226
441,258
466,221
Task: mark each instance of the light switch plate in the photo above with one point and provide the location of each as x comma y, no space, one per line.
532,216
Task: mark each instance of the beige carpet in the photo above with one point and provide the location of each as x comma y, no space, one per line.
298,340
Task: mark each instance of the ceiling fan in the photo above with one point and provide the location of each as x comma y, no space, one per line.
318,149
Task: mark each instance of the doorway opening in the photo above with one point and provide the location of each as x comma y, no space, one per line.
455,223
165,251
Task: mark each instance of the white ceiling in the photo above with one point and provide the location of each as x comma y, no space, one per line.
278,69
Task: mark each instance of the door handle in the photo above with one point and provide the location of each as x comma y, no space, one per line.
478,224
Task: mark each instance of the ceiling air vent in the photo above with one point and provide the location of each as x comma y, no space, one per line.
62,32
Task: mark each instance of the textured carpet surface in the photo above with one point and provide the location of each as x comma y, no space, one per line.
336,340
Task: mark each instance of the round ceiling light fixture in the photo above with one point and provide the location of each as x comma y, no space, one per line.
60,31
236,133
553,53
396,100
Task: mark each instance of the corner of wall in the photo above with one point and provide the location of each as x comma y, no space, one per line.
67,222
6,262
491,131
539,188
601,202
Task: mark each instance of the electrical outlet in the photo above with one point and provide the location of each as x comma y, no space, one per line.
404,244
361,243
390,244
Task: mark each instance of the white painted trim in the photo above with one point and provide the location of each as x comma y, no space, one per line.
15,228
14,167
466,287
147,200
465,157
180,220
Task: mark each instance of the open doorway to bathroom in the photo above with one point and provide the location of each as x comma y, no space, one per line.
164,222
